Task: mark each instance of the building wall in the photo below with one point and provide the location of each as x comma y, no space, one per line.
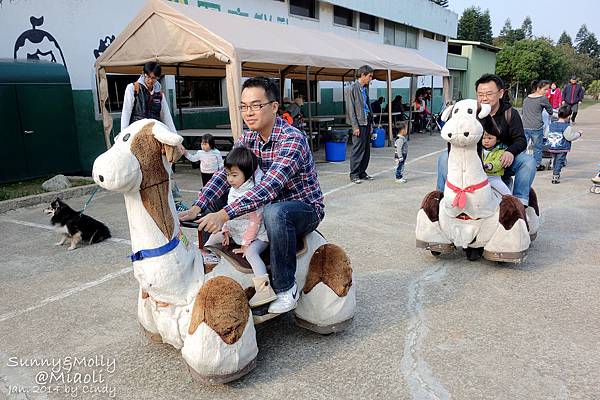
481,62
79,30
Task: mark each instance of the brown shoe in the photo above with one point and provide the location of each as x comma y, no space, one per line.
264,292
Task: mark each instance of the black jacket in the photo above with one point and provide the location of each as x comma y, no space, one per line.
511,132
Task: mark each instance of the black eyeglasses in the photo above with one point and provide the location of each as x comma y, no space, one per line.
254,107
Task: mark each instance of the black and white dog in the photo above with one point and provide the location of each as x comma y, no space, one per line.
77,226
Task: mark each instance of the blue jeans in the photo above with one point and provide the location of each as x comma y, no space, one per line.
522,168
400,167
536,136
559,162
285,222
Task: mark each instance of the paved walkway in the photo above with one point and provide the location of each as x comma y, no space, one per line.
425,328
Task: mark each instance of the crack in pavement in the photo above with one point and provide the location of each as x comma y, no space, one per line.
420,379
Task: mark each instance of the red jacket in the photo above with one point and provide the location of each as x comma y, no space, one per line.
554,98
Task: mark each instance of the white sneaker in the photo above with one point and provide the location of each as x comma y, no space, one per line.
400,180
286,301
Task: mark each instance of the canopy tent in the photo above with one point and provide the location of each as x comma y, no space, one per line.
191,41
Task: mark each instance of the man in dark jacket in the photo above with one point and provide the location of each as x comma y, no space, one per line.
359,115
573,96
490,90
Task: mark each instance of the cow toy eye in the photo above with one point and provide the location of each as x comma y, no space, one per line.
126,137
456,110
470,111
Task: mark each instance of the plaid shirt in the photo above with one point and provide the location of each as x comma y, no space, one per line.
289,173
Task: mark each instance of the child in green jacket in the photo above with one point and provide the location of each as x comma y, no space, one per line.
492,152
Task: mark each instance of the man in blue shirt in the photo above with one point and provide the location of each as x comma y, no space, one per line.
359,115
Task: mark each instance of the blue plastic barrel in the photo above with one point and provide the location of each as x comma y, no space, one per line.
379,140
335,151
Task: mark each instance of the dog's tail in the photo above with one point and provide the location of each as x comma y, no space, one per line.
100,235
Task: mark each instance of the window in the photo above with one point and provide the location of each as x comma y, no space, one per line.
116,90
456,78
199,92
304,8
299,89
428,35
400,35
343,16
368,22
440,38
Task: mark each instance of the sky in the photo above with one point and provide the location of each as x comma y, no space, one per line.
547,17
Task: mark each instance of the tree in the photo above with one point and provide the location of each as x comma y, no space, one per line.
528,59
527,27
508,35
581,34
475,25
582,65
565,39
443,3
594,89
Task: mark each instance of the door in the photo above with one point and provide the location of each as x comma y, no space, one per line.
48,124
13,166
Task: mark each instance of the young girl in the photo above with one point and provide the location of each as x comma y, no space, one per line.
248,230
560,136
209,157
492,152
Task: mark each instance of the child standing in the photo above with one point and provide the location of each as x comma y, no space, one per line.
209,157
492,152
560,136
248,230
401,145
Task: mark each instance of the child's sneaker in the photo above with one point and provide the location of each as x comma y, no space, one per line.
596,179
400,180
264,293
181,206
555,178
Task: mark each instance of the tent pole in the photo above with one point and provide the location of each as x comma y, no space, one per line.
310,133
389,104
178,94
343,96
281,85
410,104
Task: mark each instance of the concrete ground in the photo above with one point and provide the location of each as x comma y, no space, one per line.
425,328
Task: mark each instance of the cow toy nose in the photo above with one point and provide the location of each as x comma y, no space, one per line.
449,135
466,134
101,178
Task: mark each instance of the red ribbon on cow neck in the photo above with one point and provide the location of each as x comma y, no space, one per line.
461,194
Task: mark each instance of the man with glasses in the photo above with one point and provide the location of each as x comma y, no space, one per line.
516,162
359,115
144,99
289,189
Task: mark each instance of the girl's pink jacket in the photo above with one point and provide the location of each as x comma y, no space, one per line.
554,98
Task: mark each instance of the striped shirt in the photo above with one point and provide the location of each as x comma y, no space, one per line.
289,173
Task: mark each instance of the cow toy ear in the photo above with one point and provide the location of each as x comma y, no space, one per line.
447,112
485,111
165,136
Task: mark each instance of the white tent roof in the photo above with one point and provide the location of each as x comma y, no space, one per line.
194,37
192,41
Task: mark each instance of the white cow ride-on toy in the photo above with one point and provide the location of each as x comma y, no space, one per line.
199,308
469,213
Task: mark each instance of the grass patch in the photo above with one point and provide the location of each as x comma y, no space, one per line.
588,102
33,186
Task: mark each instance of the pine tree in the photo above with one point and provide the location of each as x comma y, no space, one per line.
506,29
475,25
443,3
485,27
581,34
527,28
565,39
